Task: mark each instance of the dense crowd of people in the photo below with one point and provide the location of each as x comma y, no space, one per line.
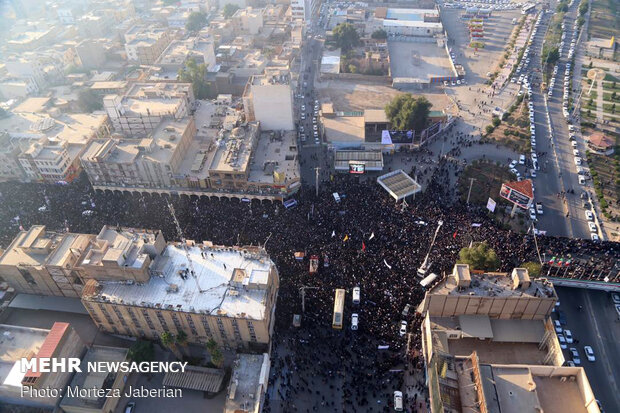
365,240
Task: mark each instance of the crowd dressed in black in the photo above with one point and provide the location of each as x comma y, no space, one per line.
365,240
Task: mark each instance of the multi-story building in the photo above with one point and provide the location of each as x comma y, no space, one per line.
143,107
298,9
145,44
201,49
90,54
247,21
49,160
27,387
268,98
10,168
248,383
489,342
148,162
224,293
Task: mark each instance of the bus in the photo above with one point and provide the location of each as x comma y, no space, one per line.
338,309
527,8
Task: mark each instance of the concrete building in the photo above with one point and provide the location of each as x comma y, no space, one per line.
149,162
407,22
90,54
489,342
247,21
298,9
226,293
201,49
49,160
145,44
10,168
43,263
268,98
143,107
108,381
61,341
248,383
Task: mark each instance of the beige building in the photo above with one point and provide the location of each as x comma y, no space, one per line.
144,44
225,293
489,342
149,162
145,105
61,341
110,382
247,21
248,383
268,98
48,263
496,295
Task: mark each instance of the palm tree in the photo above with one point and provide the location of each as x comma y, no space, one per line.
214,352
167,339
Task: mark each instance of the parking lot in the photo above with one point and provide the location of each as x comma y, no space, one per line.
595,324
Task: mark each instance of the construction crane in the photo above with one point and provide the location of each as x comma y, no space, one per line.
303,296
426,265
190,264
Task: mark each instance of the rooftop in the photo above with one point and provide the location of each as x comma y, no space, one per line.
490,284
227,281
98,380
234,148
398,184
275,156
30,248
248,381
16,343
196,378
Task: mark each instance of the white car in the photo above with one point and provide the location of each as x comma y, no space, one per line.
568,335
594,237
522,160
562,341
403,328
558,326
532,214
576,152
575,356
589,216
589,353
573,144
539,208
354,321
514,171
593,227
513,164
577,161
398,401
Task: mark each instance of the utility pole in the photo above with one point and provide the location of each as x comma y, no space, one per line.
471,183
316,179
303,296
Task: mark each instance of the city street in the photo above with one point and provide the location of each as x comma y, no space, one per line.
595,325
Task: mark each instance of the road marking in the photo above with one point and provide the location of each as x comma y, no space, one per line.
605,359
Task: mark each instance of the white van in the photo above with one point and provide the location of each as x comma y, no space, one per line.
356,295
398,401
427,280
354,321
336,197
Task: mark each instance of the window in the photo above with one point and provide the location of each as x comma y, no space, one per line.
27,276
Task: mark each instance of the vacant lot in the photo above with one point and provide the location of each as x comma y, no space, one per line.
606,176
514,132
604,19
488,178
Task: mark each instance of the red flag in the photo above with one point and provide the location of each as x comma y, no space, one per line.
363,247
454,235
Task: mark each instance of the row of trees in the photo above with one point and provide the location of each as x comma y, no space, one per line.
144,350
406,112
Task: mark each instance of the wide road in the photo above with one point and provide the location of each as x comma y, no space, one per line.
595,325
561,152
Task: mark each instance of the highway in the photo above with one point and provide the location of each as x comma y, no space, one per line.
596,325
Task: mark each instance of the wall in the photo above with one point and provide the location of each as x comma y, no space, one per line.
524,307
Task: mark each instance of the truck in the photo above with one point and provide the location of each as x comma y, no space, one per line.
314,264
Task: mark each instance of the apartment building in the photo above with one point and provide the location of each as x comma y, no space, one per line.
43,263
224,293
143,107
59,342
298,9
144,44
148,162
489,342
247,21
268,98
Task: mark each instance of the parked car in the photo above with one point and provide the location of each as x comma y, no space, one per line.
575,356
562,341
558,326
589,353
403,327
569,336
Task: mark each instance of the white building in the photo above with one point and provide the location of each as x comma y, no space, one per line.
248,21
298,9
268,99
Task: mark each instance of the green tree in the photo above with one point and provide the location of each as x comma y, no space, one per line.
215,353
379,34
346,36
196,74
141,350
196,21
533,268
479,257
551,55
89,101
496,121
167,340
229,10
406,112
583,8
562,8
352,68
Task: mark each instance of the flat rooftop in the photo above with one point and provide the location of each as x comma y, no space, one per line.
172,287
99,380
344,129
281,154
124,246
234,149
16,343
30,248
251,372
418,62
494,284
398,184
